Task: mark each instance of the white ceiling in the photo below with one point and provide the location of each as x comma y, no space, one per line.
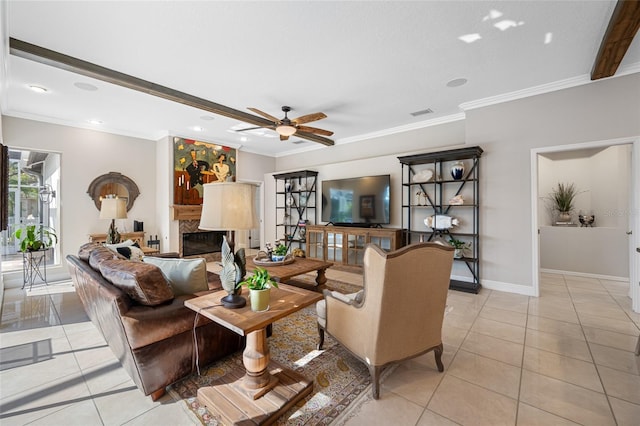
367,65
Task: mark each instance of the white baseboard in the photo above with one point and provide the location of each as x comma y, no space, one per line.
585,275
527,290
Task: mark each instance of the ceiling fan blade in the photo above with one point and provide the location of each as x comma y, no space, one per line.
265,115
250,128
309,118
315,130
284,138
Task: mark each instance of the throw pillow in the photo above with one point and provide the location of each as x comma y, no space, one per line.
185,276
144,283
126,243
133,253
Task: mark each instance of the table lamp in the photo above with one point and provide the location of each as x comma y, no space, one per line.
113,208
229,206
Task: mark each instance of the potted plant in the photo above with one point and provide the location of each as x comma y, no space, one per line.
36,237
459,247
562,198
279,252
259,285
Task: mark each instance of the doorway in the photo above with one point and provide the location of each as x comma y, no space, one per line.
616,217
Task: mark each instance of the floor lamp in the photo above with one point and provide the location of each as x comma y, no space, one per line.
113,208
229,206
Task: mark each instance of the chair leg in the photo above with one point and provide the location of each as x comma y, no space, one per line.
321,333
438,354
375,380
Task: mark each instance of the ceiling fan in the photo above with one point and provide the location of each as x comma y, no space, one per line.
289,126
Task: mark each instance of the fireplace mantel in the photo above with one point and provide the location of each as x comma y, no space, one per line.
186,212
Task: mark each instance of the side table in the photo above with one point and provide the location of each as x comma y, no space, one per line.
34,265
263,390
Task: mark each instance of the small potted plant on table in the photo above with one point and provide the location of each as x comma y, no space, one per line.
259,285
279,252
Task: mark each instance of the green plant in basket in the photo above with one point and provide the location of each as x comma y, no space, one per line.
260,280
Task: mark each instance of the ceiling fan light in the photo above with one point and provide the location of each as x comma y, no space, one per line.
285,130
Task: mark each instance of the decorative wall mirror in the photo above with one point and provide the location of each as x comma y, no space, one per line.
113,183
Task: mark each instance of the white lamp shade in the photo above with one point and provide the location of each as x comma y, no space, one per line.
113,208
228,206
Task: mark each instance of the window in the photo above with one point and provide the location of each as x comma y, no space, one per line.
34,181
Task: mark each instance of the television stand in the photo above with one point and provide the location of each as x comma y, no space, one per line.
345,245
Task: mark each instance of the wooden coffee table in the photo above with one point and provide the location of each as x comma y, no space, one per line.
301,265
264,389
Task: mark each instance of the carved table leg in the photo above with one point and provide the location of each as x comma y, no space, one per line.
257,379
321,278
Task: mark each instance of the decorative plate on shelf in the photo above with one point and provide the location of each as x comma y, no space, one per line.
423,176
289,200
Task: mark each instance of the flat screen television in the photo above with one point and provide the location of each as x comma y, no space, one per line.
360,201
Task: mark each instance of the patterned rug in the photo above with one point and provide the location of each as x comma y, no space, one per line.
339,378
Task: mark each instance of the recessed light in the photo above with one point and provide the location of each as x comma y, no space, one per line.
85,86
207,117
457,82
93,121
37,89
243,138
198,128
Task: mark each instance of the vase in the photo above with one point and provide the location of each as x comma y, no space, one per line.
458,253
564,217
457,170
260,299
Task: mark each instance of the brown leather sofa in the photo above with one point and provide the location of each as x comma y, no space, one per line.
147,327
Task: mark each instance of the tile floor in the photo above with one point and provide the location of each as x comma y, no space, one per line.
565,358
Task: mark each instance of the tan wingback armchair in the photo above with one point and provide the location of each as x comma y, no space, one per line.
399,313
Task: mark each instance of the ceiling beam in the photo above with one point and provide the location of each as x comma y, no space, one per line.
68,63
623,26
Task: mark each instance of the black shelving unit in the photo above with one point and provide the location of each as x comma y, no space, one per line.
422,199
295,206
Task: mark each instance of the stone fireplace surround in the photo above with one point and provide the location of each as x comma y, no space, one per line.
190,226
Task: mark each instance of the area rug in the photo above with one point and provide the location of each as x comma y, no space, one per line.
339,377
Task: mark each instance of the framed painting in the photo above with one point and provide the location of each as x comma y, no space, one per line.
196,163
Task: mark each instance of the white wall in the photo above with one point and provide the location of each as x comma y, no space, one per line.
85,155
507,132
601,177
602,110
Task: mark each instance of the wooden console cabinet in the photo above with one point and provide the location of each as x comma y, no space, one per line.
345,245
136,237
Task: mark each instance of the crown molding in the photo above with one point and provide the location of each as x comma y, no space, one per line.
543,88
405,128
